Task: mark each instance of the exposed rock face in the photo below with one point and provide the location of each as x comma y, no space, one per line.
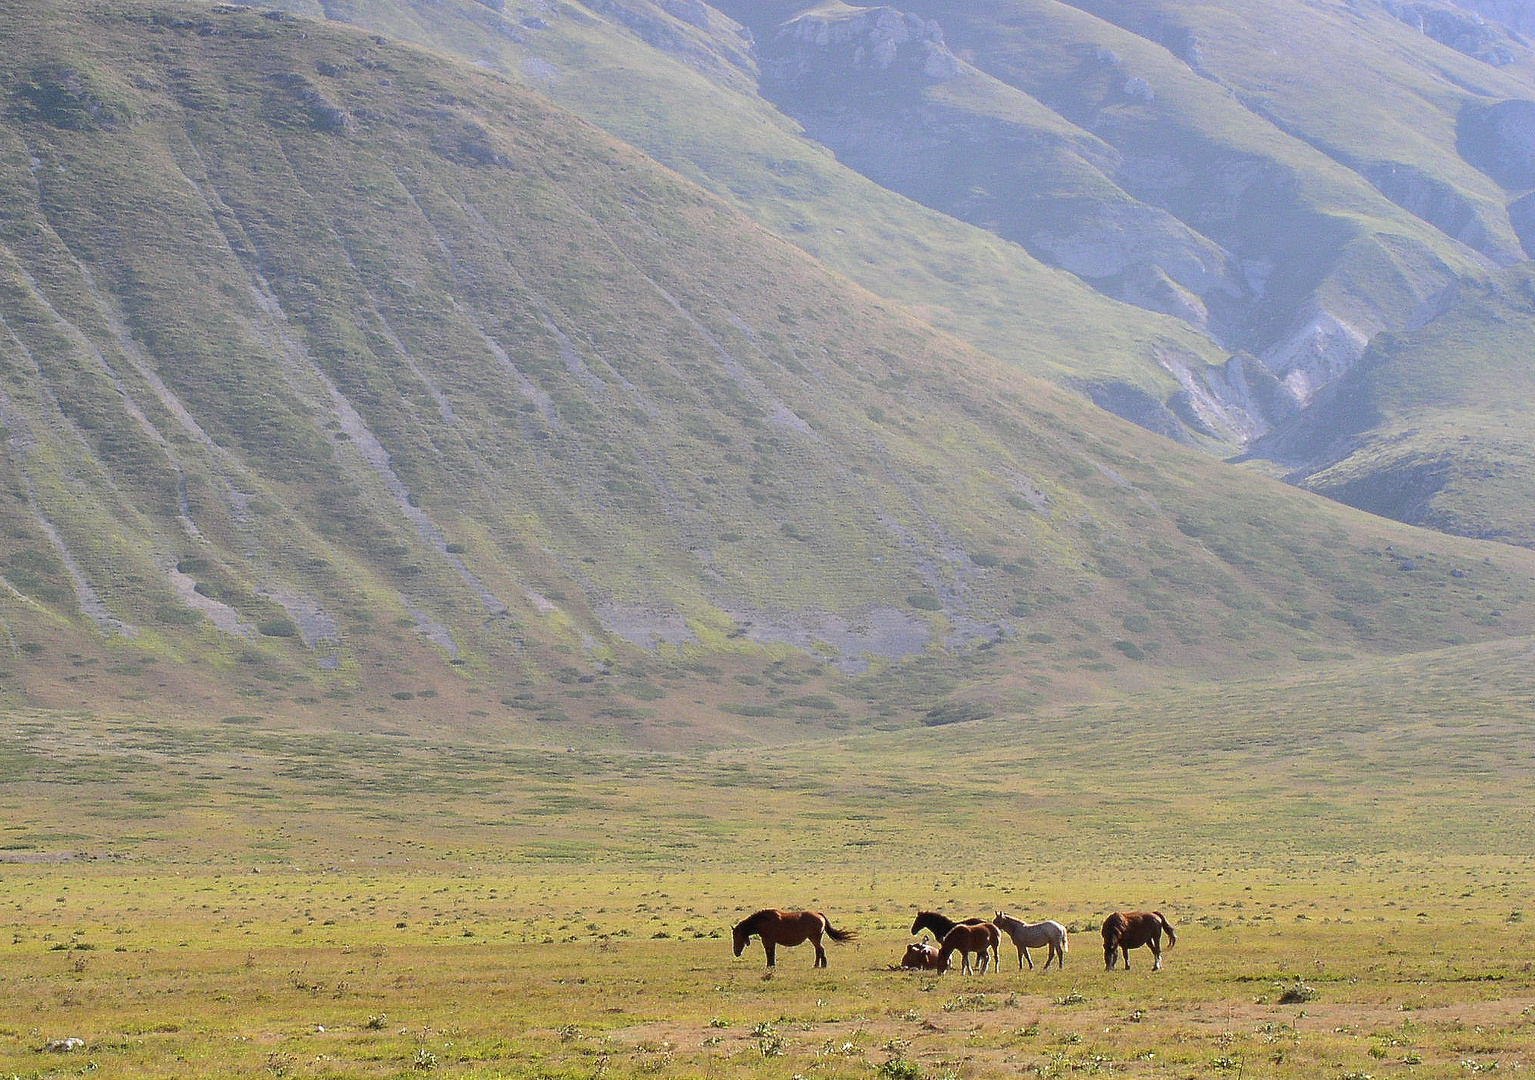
1319,349
1499,139
1238,402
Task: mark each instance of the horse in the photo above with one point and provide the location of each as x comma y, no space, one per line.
1126,930
940,925
788,928
1034,936
920,956
967,938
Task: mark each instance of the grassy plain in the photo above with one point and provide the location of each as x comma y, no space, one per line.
238,899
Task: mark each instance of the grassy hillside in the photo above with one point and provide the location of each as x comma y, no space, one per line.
683,88
1233,192
338,378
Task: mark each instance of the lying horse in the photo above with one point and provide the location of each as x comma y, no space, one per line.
940,925
788,928
1126,930
921,956
1038,935
967,938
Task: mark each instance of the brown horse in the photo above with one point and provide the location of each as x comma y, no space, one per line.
788,928
921,957
1126,930
966,938
940,925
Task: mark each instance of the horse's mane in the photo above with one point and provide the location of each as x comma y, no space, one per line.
940,925
750,924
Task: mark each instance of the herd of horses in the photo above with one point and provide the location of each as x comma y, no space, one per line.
981,938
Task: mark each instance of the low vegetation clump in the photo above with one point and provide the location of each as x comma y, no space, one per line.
1297,993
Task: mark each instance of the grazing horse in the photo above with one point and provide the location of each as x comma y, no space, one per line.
940,925
1034,936
1126,930
967,938
788,928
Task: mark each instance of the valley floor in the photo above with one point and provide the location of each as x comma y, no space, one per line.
502,971
241,899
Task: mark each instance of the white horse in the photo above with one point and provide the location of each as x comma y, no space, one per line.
1034,936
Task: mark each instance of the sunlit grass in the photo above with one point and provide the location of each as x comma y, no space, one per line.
205,899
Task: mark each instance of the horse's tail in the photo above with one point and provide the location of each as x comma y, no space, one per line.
1172,937
1065,940
838,935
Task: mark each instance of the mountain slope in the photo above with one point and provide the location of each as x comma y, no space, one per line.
1325,199
1289,179
337,378
680,82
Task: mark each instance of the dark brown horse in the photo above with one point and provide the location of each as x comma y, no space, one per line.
982,939
1126,930
940,925
788,928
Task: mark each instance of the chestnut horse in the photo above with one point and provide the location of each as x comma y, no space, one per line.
788,928
967,938
1048,934
940,925
1126,930
921,956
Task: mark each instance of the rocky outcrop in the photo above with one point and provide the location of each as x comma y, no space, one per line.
1237,402
1319,348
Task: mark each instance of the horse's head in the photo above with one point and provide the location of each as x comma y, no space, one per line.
1111,930
998,917
742,936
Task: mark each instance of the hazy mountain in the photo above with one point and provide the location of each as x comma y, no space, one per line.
336,375
1287,180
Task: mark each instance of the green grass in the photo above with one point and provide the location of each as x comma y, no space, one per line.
508,912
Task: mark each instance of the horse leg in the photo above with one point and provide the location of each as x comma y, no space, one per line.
820,954
1126,950
1026,956
769,948
1156,952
